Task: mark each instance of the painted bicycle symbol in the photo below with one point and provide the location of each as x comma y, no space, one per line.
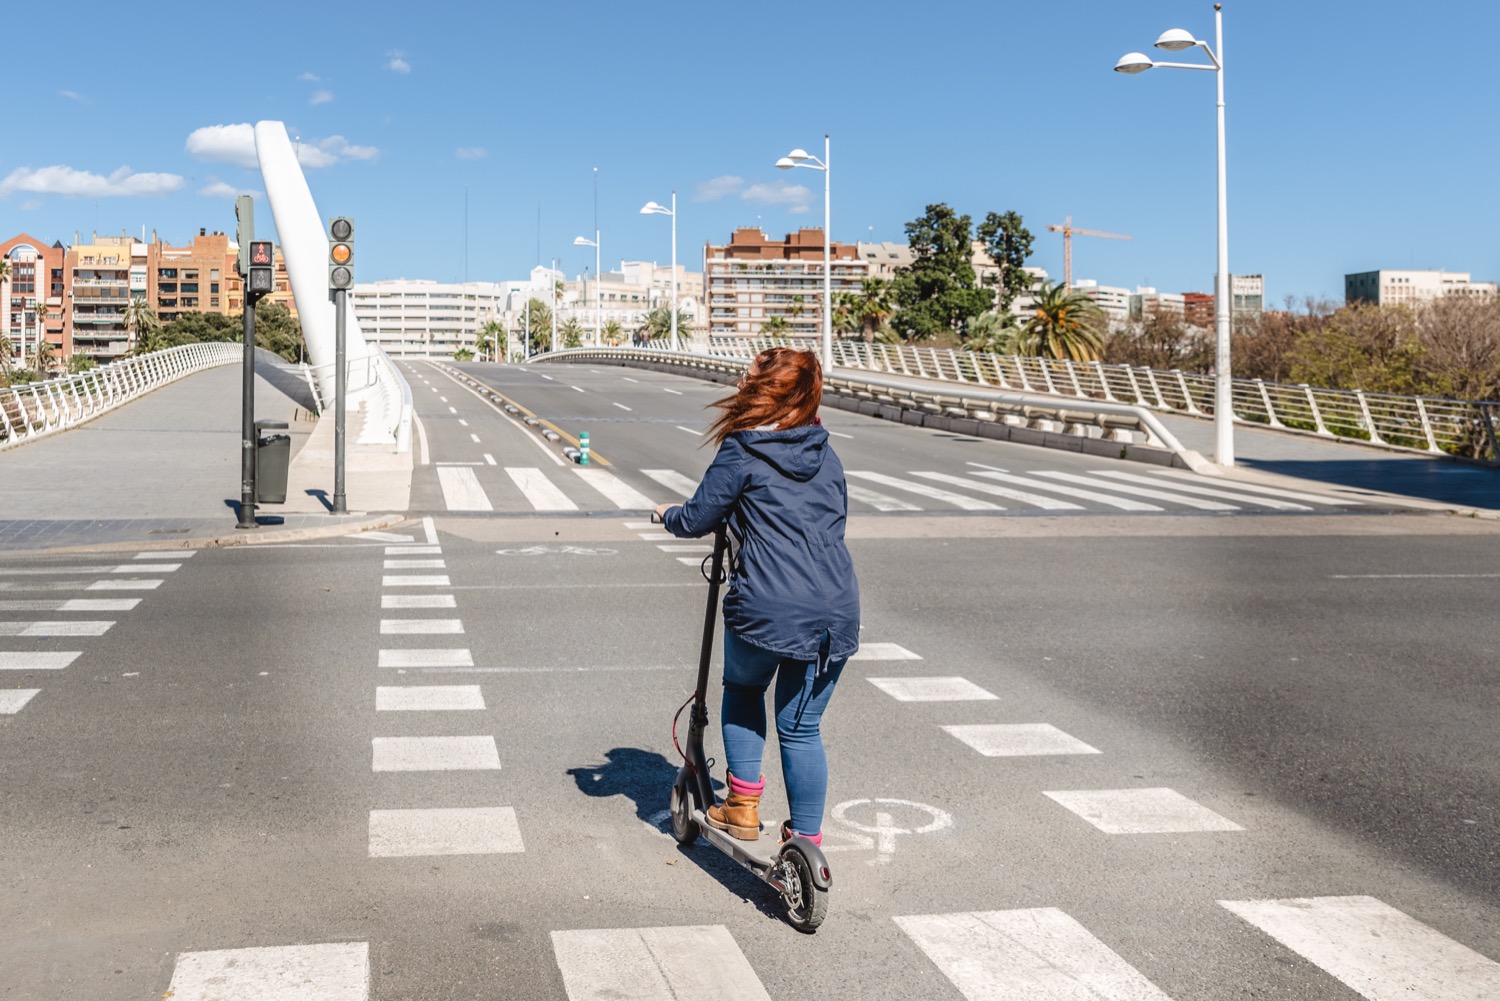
881,835
556,551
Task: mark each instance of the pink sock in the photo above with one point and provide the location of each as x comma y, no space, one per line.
816,839
744,788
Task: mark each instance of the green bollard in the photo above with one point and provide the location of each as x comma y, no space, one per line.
583,448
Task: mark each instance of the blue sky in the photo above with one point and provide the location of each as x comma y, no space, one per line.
1359,133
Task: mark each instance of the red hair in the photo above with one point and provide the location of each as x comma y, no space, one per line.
783,386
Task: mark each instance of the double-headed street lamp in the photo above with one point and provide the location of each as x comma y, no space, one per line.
801,158
583,241
1176,40
651,208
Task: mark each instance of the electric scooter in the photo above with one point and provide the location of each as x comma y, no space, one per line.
795,868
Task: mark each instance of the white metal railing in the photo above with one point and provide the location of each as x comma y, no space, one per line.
1428,424
38,408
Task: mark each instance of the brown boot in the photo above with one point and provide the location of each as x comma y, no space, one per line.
740,813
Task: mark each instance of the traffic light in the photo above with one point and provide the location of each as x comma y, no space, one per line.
244,231
262,268
340,253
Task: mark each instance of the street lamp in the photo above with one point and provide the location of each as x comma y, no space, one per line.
583,241
1176,40
801,158
651,208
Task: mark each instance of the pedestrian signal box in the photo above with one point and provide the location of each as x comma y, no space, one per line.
262,268
340,254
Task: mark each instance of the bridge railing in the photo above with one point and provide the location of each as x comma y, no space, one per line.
1428,424
39,408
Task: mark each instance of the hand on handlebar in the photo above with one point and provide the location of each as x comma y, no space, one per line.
659,515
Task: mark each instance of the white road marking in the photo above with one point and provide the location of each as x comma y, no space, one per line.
443,398
1040,954
421,627
416,421
931,689
415,565
461,489
38,661
622,406
1256,488
547,377
840,434
1141,811
690,430
577,389
171,554
38,571
147,568
674,392
696,547
922,489
629,379
423,698
1026,497
690,963
656,536
417,601
877,500
619,493
538,490
489,459
883,651
413,550
335,971
13,700
429,529
1011,740
1123,503
380,537
434,754
452,410
95,628
462,423
69,605
1125,488
443,657
1412,576
690,561
474,438
124,585
483,830
1378,951
1234,495
639,526
415,580
673,480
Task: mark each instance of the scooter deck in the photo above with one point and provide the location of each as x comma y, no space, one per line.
760,854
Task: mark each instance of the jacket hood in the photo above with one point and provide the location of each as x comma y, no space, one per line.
794,452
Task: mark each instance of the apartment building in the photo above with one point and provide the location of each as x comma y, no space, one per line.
1146,301
1113,300
1396,288
35,280
751,279
100,278
1247,295
425,319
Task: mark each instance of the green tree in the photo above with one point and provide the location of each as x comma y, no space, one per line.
44,358
939,291
996,333
1065,324
1369,347
491,340
197,328
613,333
875,306
7,352
845,313
276,329
775,326
1161,339
537,321
571,333
463,354
1008,242
140,320
658,324
80,363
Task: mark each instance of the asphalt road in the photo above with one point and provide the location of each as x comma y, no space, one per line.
1312,693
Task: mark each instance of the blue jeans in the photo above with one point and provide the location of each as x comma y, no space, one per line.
801,696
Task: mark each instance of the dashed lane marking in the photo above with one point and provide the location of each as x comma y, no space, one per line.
13,700
931,689
416,580
69,605
441,657
490,830
434,754
38,661
1141,811
1014,740
69,628
417,601
428,698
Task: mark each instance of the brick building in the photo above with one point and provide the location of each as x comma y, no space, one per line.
752,279
36,279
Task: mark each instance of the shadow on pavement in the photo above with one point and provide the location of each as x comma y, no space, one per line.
286,378
1440,480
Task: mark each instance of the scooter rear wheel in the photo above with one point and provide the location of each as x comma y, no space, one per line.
684,828
806,905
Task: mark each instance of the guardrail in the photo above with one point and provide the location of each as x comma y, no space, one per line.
1084,425
1427,424
39,408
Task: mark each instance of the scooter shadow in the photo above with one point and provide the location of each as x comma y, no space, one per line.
645,778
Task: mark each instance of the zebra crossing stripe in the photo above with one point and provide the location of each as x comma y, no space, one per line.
434,754
38,661
1125,488
450,657
415,565
174,554
417,601
1378,951
1014,740
932,690
420,627
1141,811
461,489
922,489
427,698
13,700
1039,953
95,628
1045,503
691,963
1276,505
619,493
538,490
1110,500
147,568
883,651
673,480
69,605
335,971
1256,488
124,585
877,500
485,830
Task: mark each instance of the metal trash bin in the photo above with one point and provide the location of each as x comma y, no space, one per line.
273,454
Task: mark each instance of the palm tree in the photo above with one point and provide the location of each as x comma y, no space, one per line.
845,309
7,351
996,333
613,332
44,358
875,306
795,309
1066,324
774,326
140,319
492,336
571,333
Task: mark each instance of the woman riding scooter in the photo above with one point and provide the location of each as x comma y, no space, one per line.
791,612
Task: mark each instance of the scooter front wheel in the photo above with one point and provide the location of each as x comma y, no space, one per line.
806,904
684,828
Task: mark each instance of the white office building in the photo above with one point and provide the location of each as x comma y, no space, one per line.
1395,288
425,319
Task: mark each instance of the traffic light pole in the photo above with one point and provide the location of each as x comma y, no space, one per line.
247,420
341,388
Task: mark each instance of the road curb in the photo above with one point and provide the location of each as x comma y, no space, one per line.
258,538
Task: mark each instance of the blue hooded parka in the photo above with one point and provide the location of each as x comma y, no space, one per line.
792,586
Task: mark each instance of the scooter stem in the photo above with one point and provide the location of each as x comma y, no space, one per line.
698,721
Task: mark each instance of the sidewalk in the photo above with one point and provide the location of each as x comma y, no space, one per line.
164,471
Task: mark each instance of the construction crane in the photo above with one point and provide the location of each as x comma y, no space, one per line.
1067,229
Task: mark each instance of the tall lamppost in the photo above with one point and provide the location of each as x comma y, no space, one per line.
583,241
1176,40
651,208
801,158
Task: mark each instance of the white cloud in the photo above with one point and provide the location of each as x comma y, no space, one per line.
719,187
73,95
310,78
471,153
219,189
397,63
235,144
320,97
31,205
796,197
60,180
